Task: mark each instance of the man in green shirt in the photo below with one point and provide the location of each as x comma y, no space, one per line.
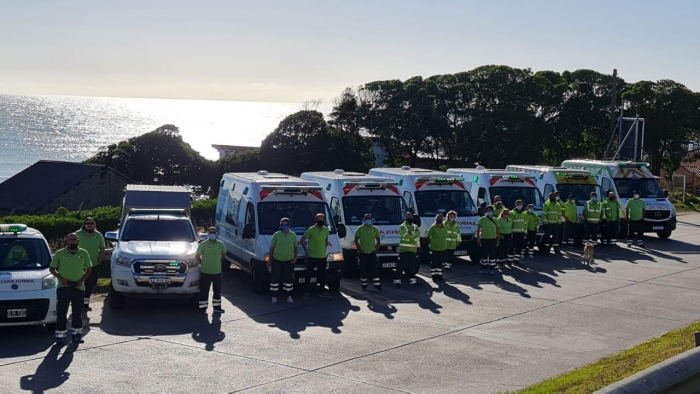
551,213
519,229
437,242
488,238
611,212
454,238
210,255
635,209
367,241
533,223
71,266
592,215
315,250
408,251
570,221
94,243
284,250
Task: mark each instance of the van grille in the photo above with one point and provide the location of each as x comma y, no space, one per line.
657,215
159,267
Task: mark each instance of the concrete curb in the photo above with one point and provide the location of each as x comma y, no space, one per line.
659,377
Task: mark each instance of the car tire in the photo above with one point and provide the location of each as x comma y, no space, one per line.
664,234
50,327
116,299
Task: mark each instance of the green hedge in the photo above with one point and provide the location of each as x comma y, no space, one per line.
57,225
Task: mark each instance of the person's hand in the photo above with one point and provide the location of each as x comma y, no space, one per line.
478,241
328,243
79,283
64,282
498,242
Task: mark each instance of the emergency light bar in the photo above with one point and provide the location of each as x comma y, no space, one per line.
371,185
638,164
442,180
291,189
13,228
574,175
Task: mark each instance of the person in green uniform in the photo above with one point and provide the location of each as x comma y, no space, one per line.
562,219
551,213
611,211
487,237
408,251
315,251
437,242
284,250
210,255
505,226
533,223
497,206
367,240
454,238
519,230
71,266
635,210
92,241
592,215
571,220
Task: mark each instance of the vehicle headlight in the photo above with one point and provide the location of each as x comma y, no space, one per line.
124,261
334,257
49,282
192,262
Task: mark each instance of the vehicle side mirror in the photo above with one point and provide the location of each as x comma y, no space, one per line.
111,236
247,231
336,219
342,230
483,205
416,220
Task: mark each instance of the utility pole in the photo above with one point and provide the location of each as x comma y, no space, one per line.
613,101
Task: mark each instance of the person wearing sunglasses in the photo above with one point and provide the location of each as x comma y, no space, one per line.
94,243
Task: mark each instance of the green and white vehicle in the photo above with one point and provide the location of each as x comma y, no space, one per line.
624,177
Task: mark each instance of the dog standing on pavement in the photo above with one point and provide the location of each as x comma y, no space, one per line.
588,254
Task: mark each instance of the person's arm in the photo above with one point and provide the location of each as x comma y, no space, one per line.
478,234
198,254
273,243
103,247
304,244
357,239
52,268
87,265
379,240
223,251
328,243
296,251
498,235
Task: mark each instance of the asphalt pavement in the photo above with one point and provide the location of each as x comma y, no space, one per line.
473,334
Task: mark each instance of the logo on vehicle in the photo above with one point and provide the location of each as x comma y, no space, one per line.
15,287
160,267
389,248
657,214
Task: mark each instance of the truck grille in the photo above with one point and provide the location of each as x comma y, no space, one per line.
159,267
657,215
36,310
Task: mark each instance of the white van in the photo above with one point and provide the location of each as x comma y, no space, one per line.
27,288
428,193
484,184
248,213
351,196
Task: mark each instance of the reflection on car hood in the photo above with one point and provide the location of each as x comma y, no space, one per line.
153,248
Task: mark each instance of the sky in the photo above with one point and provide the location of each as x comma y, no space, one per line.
294,51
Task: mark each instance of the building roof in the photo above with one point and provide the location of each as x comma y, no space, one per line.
691,162
43,181
233,147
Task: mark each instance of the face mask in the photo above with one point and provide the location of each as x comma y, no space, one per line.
553,199
438,221
519,207
409,221
212,237
531,210
72,247
451,220
284,227
636,196
499,204
368,222
489,213
594,198
572,201
320,223
611,198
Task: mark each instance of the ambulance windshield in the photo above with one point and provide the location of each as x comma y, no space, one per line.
432,202
23,254
384,209
301,215
582,192
647,187
511,194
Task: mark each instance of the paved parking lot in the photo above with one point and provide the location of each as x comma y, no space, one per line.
475,334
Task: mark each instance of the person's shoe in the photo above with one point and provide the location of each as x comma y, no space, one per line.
60,341
219,310
290,300
415,284
78,338
306,296
274,300
378,288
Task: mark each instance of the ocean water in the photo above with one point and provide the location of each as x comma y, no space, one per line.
66,128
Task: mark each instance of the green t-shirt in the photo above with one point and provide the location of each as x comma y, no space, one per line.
489,227
211,253
318,237
636,207
367,236
505,225
285,245
532,220
92,243
71,266
438,238
611,209
571,211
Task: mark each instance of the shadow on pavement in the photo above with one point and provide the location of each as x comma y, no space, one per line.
209,334
23,341
51,373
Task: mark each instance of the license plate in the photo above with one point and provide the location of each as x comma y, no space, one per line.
159,281
16,313
461,253
388,265
658,228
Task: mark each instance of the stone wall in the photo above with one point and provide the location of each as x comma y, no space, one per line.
105,188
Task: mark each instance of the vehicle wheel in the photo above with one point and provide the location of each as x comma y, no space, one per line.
116,300
258,284
51,327
664,234
334,285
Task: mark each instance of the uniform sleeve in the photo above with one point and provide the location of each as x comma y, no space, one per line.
296,241
87,263
480,222
273,241
102,242
307,233
55,261
431,231
402,231
199,248
376,233
222,247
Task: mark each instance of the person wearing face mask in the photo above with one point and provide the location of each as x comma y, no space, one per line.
562,220
210,255
488,238
533,222
284,250
504,254
592,214
635,210
437,242
408,251
497,206
611,212
519,231
454,238
551,213
367,240
315,251
91,240
71,266
571,220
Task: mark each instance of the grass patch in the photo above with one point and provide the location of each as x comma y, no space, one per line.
615,368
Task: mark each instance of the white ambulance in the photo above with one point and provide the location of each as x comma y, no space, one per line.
428,193
351,196
27,288
624,177
484,184
248,212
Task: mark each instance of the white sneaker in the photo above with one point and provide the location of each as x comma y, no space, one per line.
274,300
290,300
